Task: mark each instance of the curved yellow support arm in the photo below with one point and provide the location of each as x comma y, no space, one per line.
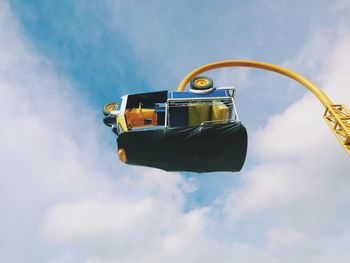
260,65
337,116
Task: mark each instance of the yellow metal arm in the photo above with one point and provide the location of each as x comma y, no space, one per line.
337,116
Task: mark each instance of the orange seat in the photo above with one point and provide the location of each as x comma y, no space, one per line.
139,118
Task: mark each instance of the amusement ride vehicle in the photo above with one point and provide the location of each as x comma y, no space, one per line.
198,130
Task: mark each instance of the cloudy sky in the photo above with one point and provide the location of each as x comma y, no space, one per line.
64,197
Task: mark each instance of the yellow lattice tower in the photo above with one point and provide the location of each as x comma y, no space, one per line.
338,119
336,115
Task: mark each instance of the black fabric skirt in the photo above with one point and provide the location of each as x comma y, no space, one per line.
207,148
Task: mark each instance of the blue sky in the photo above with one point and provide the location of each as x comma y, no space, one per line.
65,196
98,44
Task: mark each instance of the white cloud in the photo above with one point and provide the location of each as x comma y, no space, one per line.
54,162
284,237
64,199
301,185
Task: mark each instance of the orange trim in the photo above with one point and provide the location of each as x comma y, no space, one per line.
122,155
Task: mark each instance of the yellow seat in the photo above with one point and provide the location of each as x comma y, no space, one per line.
198,114
219,112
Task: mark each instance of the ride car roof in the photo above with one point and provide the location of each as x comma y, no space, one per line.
189,95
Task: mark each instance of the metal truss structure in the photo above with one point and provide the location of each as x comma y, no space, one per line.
338,118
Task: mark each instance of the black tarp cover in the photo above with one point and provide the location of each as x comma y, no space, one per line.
207,148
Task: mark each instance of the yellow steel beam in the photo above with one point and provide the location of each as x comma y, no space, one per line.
338,119
337,116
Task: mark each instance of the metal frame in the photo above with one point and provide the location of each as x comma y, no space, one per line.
224,120
198,98
184,103
206,100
